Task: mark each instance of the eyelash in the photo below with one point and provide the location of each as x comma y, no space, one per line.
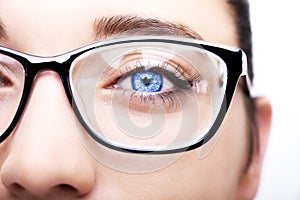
175,76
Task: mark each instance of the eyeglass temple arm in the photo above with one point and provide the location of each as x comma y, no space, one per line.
252,90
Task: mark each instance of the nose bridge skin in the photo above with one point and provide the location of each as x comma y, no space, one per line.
46,158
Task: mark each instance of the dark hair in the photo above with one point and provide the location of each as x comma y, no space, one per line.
241,13
242,20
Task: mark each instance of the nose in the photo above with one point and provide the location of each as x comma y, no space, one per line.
46,159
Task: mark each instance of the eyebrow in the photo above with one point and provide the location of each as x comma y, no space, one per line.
126,25
129,25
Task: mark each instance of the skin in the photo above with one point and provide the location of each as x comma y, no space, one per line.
36,162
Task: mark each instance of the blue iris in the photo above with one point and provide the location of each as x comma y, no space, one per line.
147,81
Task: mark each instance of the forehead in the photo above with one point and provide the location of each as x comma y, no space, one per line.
40,27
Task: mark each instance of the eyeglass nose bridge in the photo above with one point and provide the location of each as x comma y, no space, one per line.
33,69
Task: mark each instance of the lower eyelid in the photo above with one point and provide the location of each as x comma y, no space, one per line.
170,101
167,101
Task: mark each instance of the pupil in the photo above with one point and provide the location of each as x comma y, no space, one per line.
147,81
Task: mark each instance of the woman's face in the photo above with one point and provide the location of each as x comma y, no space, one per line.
44,158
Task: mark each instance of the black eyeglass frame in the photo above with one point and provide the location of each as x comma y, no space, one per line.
234,58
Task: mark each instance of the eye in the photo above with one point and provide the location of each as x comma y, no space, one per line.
4,80
146,81
142,79
149,74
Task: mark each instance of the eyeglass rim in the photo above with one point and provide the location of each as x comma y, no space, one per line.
62,63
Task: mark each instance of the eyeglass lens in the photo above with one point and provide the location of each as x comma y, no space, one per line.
148,95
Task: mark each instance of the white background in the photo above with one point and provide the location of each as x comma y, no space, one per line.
276,37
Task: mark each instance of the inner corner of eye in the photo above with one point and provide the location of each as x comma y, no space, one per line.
111,85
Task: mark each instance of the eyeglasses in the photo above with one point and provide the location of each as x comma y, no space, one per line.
145,94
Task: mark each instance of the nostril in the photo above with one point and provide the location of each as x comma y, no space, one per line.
67,188
16,188
63,190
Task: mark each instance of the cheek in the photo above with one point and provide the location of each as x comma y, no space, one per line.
217,175
191,176
5,147
3,150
